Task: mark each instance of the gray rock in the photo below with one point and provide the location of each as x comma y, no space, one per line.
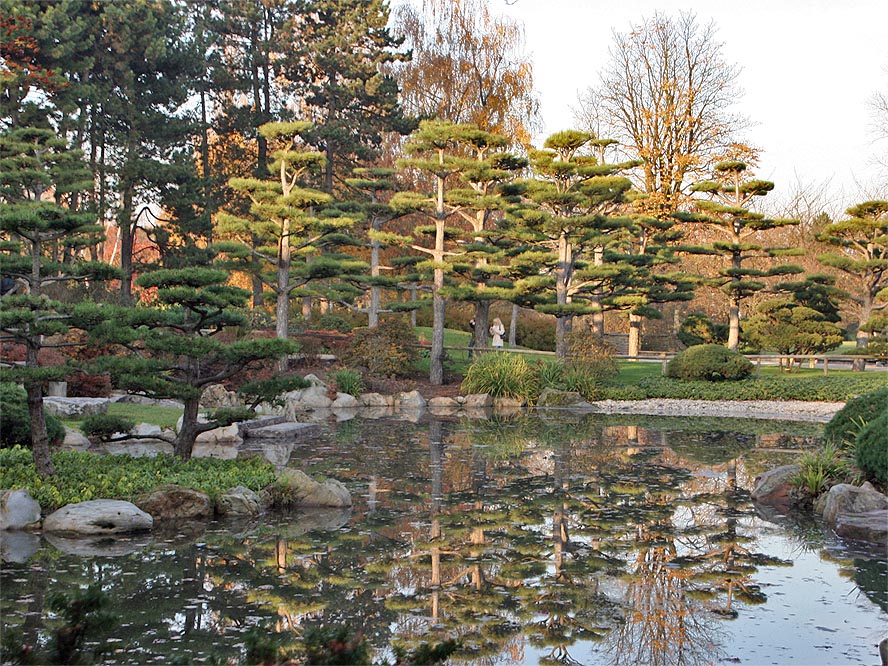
871,526
100,546
443,406
301,490
18,547
314,380
307,399
56,389
147,430
172,502
227,435
239,501
345,401
773,486
277,452
74,439
554,398
145,400
478,401
98,517
376,400
844,498
508,405
69,408
18,510
218,450
216,396
410,401
246,427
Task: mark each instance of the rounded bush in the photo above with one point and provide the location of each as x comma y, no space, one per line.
699,329
712,363
857,412
871,453
389,350
15,422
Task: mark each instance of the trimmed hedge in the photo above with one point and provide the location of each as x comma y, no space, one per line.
713,363
813,389
871,450
845,425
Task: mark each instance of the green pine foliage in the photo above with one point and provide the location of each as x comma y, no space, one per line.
698,329
710,363
859,411
871,449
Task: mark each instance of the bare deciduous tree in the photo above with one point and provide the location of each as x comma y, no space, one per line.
666,95
468,66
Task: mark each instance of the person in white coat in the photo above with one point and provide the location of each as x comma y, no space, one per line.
497,330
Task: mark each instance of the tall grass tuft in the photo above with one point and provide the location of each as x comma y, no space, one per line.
502,375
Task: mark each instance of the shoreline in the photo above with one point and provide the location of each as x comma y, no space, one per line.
778,410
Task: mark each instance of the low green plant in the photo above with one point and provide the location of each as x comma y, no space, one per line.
15,421
388,350
348,380
711,363
857,412
103,426
813,388
871,450
502,375
331,322
82,476
823,468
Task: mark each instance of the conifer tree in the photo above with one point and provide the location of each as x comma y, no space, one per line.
291,220
862,239
727,213
562,217
36,166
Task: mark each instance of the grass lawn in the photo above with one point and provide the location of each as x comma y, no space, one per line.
165,417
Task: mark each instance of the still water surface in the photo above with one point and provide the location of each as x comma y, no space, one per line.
568,539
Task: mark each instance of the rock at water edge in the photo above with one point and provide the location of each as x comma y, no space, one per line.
98,517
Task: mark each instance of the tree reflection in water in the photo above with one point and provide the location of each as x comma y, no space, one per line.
561,539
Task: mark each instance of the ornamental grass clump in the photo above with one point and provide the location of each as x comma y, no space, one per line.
348,381
712,363
502,375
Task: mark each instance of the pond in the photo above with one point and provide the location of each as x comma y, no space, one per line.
561,539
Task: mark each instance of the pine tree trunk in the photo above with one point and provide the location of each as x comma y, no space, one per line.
513,326
188,432
482,324
39,436
634,335
734,325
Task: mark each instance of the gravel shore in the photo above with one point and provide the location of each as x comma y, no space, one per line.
789,410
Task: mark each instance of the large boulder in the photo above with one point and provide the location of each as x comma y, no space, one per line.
18,510
376,400
216,396
172,502
307,399
443,406
345,401
286,431
299,489
844,499
773,486
75,408
227,436
871,526
410,401
553,398
239,501
74,439
98,517
478,401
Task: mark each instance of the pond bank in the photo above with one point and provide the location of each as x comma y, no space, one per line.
788,410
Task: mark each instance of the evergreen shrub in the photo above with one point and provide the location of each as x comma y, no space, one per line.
871,450
15,421
699,329
857,412
536,332
388,350
711,363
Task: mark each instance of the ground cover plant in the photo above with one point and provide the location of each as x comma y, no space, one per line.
82,476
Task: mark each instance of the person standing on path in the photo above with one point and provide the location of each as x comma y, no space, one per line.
497,330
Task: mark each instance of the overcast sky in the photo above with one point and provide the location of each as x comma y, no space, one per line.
808,67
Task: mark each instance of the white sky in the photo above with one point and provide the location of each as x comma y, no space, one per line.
807,69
